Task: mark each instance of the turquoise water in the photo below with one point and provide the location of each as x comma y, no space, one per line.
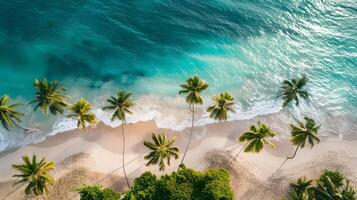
247,47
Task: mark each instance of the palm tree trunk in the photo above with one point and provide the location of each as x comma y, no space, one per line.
288,158
189,139
126,177
240,151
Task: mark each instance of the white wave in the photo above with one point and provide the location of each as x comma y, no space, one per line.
167,112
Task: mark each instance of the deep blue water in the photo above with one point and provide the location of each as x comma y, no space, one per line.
248,47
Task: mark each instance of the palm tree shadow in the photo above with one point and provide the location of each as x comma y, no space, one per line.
283,148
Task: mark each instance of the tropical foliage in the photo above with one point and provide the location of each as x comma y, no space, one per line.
301,135
8,114
161,150
332,185
257,137
36,174
192,89
292,90
223,104
49,96
97,192
302,189
212,184
121,105
305,133
81,111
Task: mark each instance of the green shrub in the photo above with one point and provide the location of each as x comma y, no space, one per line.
332,185
97,192
144,187
187,184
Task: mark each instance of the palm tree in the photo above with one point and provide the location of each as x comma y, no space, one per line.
291,90
81,112
256,138
302,134
333,185
8,115
193,88
223,103
302,189
49,97
161,150
36,174
120,105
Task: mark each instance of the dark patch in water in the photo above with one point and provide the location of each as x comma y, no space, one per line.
73,67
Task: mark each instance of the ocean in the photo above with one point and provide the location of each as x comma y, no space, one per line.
247,47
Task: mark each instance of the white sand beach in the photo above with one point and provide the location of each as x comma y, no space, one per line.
98,150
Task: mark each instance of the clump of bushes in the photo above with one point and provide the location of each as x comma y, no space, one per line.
97,192
186,184
332,185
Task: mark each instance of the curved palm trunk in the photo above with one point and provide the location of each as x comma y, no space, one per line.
189,139
240,151
288,158
126,177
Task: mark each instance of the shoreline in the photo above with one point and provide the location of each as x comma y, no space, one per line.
95,155
171,113
103,144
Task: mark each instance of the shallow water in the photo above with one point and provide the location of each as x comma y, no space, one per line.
246,47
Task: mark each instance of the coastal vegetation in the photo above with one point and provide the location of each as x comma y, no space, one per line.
49,97
121,105
332,185
292,90
81,111
223,104
303,134
188,184
35,175
192,89
9,116
256,138
97,192
161,150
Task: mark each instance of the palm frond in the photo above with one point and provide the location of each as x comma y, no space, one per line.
223,104
193,89
292,89
160,150
81,111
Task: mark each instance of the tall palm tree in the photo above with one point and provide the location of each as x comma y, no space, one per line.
302,134
333,185
121,105
193,88
256,138
49,97
8,115
161,150
291,90
81,112
223,103
302,189
36,174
